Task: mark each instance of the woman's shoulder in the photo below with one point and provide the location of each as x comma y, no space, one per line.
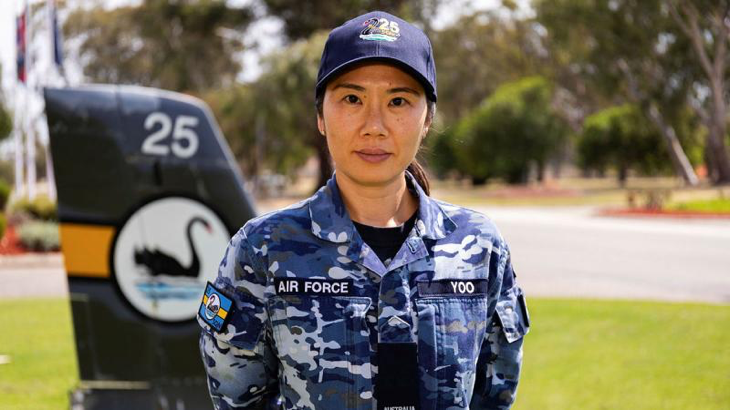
293,218
470,221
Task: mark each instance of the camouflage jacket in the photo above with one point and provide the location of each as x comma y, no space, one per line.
308,302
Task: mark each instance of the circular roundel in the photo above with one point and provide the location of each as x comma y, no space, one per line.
212,307
164,255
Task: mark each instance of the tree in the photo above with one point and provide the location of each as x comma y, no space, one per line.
474,56
512,130
286,97
706,24
187,45
302,18
478,53
628,51
234,109
271,123
438,151
6,121
620,138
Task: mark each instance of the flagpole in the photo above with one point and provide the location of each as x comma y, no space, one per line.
17,129
18,126
29,140
51,68
56,42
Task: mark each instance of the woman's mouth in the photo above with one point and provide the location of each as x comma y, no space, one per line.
373,155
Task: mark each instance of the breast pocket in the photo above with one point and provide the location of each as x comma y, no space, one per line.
322,343
450,332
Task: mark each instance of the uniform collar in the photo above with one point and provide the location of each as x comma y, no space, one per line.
331,221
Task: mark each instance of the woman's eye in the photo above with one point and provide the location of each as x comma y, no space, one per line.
398,101
352,99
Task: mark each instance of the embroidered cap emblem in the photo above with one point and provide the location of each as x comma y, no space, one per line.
380,30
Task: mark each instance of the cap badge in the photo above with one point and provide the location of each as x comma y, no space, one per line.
380,30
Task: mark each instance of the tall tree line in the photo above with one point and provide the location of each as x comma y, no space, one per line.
666,58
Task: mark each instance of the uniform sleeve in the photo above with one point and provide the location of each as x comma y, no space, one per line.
500,358
241,368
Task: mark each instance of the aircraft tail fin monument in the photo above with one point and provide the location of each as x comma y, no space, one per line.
148,198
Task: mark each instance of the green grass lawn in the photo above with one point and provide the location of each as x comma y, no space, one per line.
718,205
38,337
580,354
584,354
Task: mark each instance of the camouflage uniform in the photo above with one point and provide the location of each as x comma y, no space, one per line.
299,350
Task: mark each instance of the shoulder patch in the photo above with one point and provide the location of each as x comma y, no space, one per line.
215,308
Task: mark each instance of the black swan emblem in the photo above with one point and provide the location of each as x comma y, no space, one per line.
160,263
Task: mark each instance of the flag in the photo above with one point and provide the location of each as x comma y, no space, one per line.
20,46
57,40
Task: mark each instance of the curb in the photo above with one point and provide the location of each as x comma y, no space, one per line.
650,213
32,261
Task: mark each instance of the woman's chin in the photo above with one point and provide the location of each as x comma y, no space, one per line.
374,178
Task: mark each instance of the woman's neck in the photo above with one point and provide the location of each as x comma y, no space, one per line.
382,206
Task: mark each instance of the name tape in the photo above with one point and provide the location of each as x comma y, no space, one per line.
302,286
453,287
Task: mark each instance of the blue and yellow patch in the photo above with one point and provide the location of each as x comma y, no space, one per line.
215,308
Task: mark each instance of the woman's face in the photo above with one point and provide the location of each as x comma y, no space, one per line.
374,117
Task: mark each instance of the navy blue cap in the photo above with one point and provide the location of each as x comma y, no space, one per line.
379,36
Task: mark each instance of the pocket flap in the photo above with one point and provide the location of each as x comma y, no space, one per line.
512,311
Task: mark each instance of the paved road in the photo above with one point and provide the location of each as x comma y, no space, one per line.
572,252
556,252
32,276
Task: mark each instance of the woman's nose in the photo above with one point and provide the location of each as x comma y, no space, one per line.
374,125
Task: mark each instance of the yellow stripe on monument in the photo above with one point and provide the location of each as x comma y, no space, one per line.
86,249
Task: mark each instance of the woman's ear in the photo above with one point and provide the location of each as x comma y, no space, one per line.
426,128
320,125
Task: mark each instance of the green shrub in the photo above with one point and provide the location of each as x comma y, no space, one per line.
45,208
39,208
3,225
621,138
4,194
511,131
7,170
39,236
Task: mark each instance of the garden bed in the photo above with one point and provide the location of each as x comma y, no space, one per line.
10,244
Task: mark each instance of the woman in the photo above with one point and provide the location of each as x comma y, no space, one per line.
370,294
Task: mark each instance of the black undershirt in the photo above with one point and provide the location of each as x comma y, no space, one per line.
386,241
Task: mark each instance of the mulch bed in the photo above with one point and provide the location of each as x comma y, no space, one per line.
10,244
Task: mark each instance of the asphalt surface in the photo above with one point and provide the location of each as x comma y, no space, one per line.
32,275
557,252
572,252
